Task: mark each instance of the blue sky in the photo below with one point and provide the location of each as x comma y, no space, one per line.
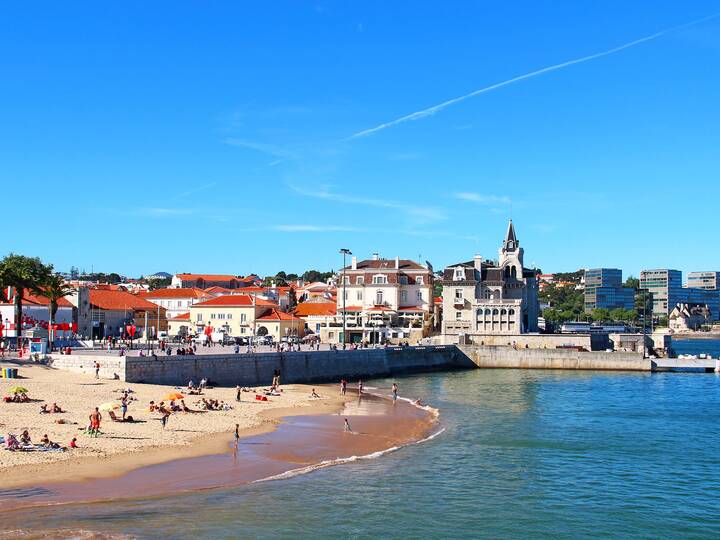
218,136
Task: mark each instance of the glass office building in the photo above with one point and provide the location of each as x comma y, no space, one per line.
604,290
667,291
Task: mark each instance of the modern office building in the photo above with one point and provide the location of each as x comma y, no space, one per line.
604,290
667,291
710,281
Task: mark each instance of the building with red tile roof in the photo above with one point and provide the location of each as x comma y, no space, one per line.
175,301
204,281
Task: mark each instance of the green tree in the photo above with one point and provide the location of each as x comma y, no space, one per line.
23,273
54,288
632,283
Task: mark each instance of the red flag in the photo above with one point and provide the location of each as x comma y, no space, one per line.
131,330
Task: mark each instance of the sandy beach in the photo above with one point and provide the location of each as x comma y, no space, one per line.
126,446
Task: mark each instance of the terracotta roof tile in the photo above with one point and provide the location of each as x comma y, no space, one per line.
119,300
277,315
174,293
307,309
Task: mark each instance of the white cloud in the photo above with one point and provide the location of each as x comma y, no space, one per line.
480,198
420,213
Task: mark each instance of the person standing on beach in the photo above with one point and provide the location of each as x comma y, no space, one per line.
360,388
124,405
237,435
343,387
97,369
95,418
165,416
394,391
238,393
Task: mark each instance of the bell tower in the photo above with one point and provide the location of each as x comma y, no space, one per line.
511,254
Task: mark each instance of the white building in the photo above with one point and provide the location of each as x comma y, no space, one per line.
487,298
382,301
175,301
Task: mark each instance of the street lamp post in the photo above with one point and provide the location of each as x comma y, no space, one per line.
345,252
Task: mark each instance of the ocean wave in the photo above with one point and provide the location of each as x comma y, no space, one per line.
373,455
74,534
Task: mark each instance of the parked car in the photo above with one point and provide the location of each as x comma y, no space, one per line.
290,339
263,340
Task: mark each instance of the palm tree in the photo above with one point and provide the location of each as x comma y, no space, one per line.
54,288
22,273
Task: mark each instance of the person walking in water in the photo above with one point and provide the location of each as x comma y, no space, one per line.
347,429
236,435
360,388
394,391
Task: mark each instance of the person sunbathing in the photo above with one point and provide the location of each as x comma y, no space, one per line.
25,438
153,407
11,442
187,409
314,394
56,408
23,397
44,409
174,407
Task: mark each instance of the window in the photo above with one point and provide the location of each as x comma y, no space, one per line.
459,274
212,315
229,315
458,315
403,296
379,280
403,280
419,295
199,317
360,280
243,317
242,330
347,295
346,280
358,295
420,280
379,298
458,295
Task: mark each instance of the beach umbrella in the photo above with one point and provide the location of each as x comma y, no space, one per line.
109,406
18,390
173,396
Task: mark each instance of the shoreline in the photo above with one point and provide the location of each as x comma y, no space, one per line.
289,443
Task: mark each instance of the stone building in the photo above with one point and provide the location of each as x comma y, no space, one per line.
487,298
688,317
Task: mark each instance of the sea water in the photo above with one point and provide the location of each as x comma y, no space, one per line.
523,454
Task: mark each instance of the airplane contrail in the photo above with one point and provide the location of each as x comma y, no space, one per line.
435,108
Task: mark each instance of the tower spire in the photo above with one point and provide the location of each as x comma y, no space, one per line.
511,243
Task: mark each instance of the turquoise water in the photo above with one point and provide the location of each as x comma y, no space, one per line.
540,454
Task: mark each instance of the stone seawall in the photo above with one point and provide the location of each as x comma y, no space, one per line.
295,367
111,367
507,357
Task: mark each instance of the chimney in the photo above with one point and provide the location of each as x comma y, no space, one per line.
376,256
354,263
477,262
397,263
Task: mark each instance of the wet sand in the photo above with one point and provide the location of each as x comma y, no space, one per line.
299,444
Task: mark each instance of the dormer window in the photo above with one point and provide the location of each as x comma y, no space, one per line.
380,279
419,280
403,280
360,280
459,274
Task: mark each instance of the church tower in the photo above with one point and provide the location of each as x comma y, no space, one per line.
511,254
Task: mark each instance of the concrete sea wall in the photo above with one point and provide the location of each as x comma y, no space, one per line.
295,367
330,366
507,357
111,367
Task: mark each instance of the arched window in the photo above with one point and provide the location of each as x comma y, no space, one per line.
479,314
513,272
511,312
507,271
379,298
487,312
495,312
503,312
